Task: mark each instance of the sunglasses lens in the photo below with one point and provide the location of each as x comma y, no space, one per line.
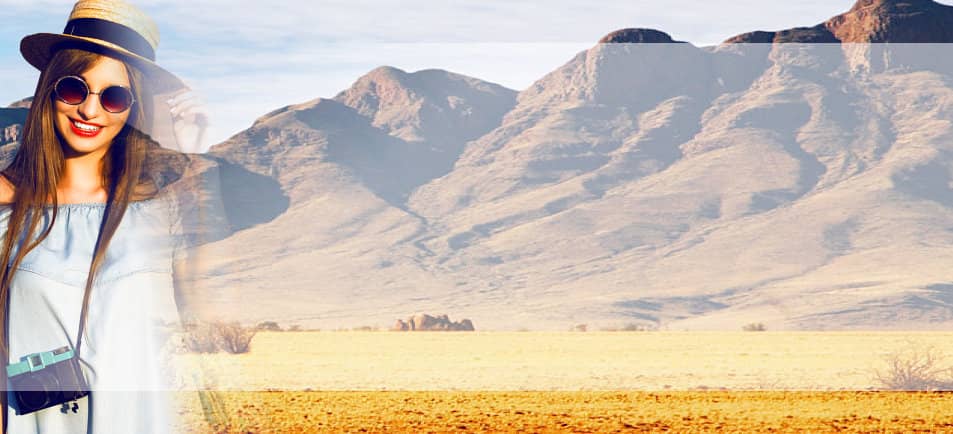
116,99
71,90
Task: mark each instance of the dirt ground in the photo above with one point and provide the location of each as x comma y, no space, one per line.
470,411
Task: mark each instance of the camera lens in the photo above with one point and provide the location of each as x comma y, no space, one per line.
32,392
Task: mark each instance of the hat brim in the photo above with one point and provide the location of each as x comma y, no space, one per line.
38,50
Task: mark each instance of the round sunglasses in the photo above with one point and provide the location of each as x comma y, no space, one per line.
73,90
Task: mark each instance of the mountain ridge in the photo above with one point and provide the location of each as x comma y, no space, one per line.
870,21
802,186
642,181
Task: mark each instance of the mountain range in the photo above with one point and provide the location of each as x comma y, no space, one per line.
798,178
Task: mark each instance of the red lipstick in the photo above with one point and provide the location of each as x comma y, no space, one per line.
83,133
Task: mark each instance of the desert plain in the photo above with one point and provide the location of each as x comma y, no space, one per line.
324,381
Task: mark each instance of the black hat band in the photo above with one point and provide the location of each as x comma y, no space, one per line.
111,32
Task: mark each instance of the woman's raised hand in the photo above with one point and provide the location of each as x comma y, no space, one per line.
189,121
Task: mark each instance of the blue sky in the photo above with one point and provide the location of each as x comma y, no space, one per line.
247,58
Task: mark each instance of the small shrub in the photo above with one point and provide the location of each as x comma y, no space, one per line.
633,327
200,338
212,337
233,337
579,328
294,328
270,326
754,327
630,327
916,368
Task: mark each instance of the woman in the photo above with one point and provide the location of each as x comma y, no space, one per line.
86,239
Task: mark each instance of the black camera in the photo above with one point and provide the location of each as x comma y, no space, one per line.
42,380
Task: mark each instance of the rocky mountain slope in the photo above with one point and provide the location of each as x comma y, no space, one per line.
871,21
799,178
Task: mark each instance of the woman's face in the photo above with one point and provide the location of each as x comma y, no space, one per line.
87,128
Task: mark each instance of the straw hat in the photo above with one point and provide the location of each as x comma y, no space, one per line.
111,27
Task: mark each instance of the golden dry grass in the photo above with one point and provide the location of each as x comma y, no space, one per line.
562,382
566,361
467,411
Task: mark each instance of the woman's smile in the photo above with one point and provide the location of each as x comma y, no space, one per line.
85,129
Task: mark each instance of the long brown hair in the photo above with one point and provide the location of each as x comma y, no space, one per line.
38,167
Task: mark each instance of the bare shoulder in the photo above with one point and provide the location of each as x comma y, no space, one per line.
6,191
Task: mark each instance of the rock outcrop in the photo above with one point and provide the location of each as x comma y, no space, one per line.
11,133
870,21
11,125
23,103
637,36
424,322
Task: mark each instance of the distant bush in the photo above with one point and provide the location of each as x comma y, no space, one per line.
754,327
200,337
364,329
633,327
270,326
212,337
294,328
630,327
579,328
234,337
916,368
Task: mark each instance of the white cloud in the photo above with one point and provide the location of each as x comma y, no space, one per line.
249,57
479,21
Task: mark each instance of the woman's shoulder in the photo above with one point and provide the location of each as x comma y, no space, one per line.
6,191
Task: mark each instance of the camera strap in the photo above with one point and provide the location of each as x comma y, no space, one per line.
89,282
82,317
4,401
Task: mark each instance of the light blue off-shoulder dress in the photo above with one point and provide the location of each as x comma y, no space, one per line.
131,313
